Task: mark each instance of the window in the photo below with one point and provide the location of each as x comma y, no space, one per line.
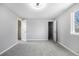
75,22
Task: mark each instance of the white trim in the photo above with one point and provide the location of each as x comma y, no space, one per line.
8,48
24,40
37,39
74,33
72,29
69,49
17,29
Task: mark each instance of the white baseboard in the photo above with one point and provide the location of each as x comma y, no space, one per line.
37,39
8,48
69,49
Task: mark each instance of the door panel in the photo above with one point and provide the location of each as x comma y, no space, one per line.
54,31
23,30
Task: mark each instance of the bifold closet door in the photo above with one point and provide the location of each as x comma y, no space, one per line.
23,30
54,31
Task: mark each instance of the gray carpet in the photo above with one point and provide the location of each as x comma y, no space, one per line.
38,48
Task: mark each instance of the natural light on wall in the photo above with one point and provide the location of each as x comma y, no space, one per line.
75,22
37,6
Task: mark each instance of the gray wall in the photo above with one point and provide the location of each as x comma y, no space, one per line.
7,28
37,29
64,30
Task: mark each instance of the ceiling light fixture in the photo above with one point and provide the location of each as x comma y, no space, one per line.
38,6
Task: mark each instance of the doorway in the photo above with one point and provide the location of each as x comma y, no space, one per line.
19,30
50,30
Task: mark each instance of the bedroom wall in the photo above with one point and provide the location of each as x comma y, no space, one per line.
64,30
7,28
37,29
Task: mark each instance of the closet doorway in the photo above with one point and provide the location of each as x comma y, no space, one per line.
52,31
21,30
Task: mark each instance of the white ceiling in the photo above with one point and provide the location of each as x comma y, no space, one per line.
26,11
